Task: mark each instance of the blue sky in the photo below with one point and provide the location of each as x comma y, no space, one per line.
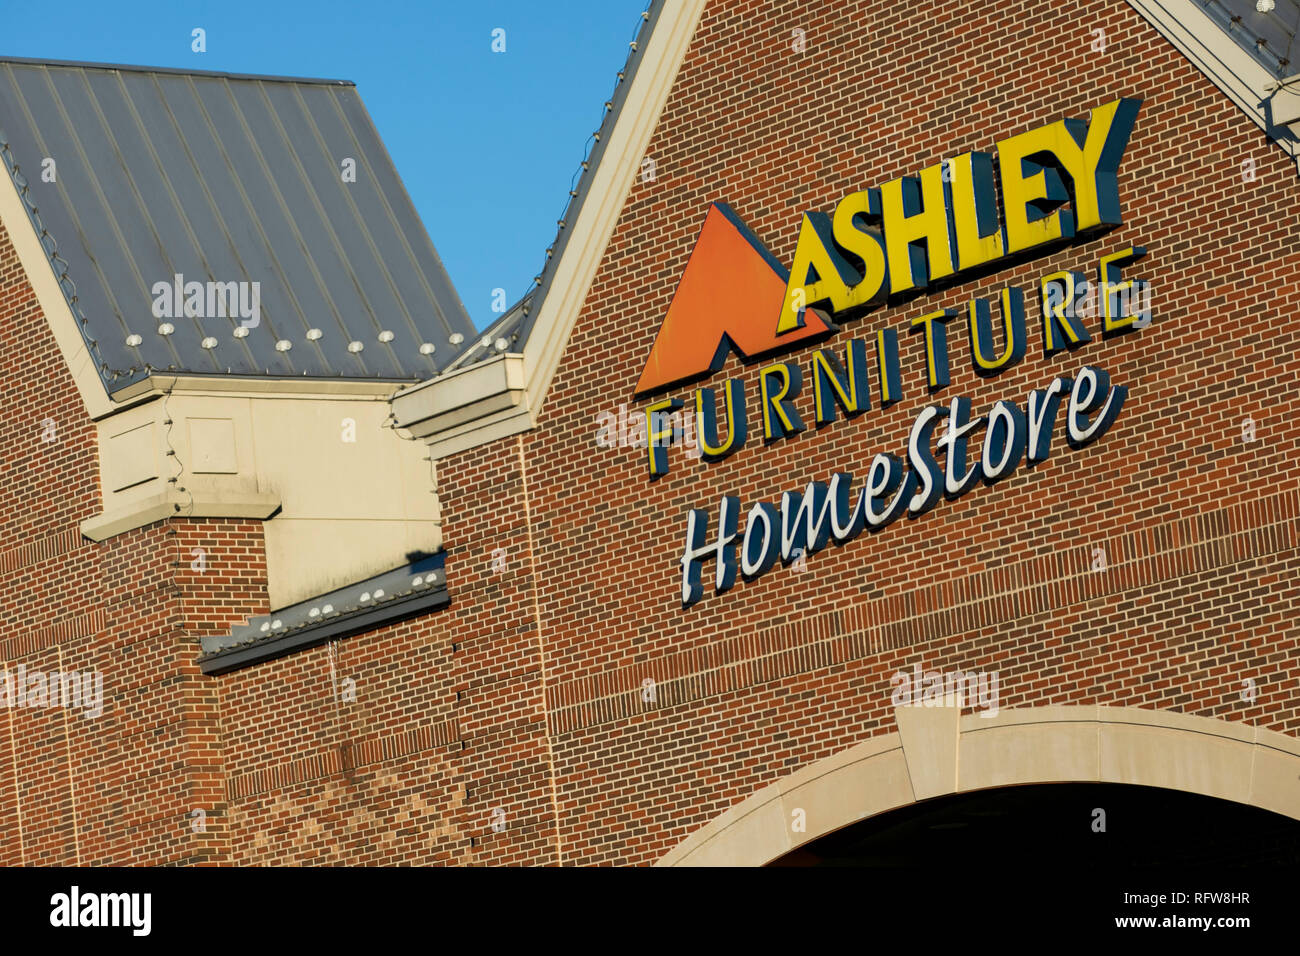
486,143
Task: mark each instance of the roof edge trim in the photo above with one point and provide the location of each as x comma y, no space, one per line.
167,504
313,636
159,383
130,68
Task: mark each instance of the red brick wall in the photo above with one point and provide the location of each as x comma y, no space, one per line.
116,788
523,695
1198,527
446,726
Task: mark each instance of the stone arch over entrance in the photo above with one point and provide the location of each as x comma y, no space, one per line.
936,751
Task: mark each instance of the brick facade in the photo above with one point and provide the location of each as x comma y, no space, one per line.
524,695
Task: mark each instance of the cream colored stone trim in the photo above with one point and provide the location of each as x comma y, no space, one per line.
344,496
477,433
465,399
611,182
938,752
156,385
167,504
931,731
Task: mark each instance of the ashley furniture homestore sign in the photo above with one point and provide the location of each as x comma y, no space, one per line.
899,239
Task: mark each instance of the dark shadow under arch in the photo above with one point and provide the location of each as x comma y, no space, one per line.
1146,827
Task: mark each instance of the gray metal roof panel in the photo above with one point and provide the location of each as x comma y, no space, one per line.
134,68
1270,35
220,179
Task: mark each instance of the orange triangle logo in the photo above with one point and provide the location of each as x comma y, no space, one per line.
729,299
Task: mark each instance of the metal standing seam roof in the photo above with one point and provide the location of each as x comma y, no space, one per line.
1269,35
226,178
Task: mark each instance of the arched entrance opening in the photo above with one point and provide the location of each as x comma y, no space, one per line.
1104,825
938,753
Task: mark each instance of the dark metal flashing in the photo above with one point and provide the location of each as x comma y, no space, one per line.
411,590
368,620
